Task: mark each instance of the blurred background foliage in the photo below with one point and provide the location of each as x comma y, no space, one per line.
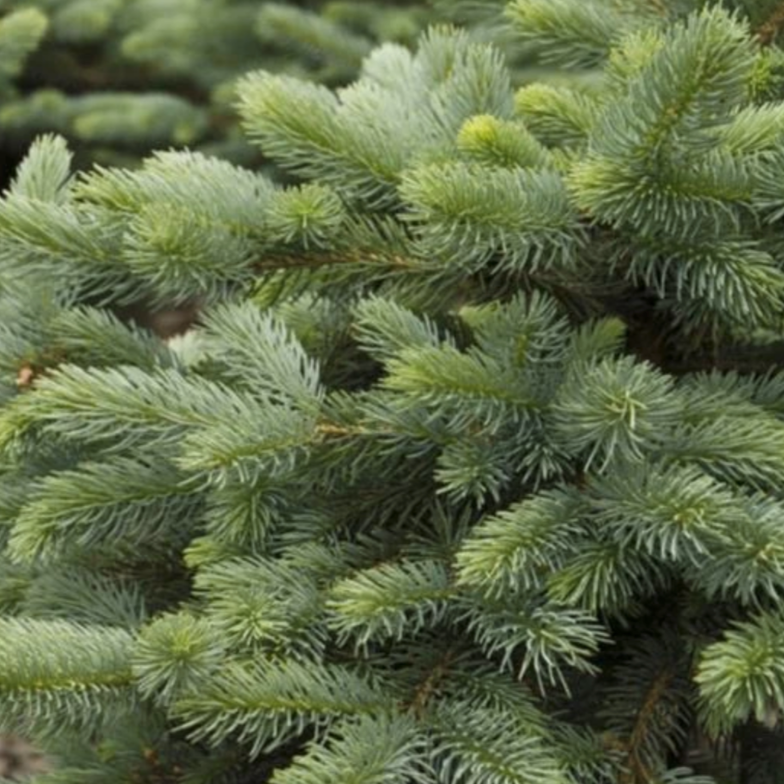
119,78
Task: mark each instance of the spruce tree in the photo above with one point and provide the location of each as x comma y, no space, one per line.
469,471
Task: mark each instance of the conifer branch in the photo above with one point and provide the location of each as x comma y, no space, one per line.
639,737
391,506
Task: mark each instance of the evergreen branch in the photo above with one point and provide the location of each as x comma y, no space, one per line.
640,735
745,448
55,672
747,564
546,640
96,337
214,189
38,236
308,216
509,552
617,408
474,746
557,115
182,256
571,34
675,513
431,684
596,340
446,377
389,601
192,224
714,394
382,415
127,406
264,604
604,576
586,756
258,441
384,328
477,467
636,169
368,254
311,132
493,142
753,130
174,655
456,79
768,193
731,281
83,597
526,332
709,194
478,682
124,499
45,173
742,676
15,582
238,515
519,219
265,703
366,750
258,350
765,390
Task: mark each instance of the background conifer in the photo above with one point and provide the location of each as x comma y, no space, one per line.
119,78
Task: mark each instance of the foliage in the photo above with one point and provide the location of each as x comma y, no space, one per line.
470,470
119,78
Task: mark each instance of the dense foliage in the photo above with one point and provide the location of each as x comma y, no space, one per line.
470,470
119,78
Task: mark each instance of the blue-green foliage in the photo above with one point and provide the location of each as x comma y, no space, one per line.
469,471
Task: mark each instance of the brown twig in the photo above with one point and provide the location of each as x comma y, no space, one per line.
330,430
645,716
770,28
26,376
426,689
660,7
